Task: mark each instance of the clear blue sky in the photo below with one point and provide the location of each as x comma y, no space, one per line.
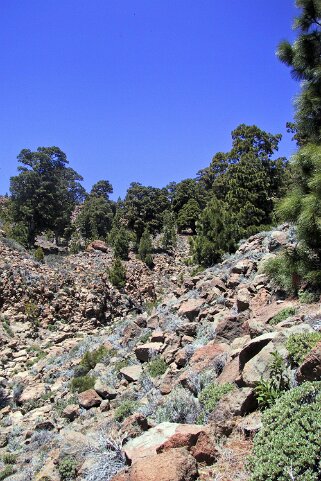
140,90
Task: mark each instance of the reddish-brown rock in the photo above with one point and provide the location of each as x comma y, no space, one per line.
204,450
98,245
191,308
205,356
172,465
310,369
89,399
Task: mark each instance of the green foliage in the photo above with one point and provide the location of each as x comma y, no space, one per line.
7,471
117,273
282,315
308,297
145,248
32,312
45,192
67,469
289,446
119,239
39,254
303,57
299,345
169,237
91,358
212,393
285,270
124,410
156,367
144,207
268,391
188,216
96,215
144,338
6,327
9,458
82,383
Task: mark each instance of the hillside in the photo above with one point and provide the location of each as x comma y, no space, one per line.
148,408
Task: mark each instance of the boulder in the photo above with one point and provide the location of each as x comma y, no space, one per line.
89,399
32,393
253,347
191,308
164,435
145,352
205,450
243,298
98,245
310,369
71,412
172,465
208,356
132,373
104,390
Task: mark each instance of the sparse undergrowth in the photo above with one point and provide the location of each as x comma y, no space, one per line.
157,367
299,345
282,315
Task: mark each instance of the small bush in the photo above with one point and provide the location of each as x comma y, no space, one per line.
288,446
144,338
7,471
282,315
39,254
283,270
82,383
268,391
308,297
67,469
180,406
7,328
211,394
299,345
9,458
124,410
157,367
91,358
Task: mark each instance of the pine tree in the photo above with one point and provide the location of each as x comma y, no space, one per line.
117,273
303,56
145,248
169,238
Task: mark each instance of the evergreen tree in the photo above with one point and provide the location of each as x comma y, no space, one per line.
169,238
117,273
145,248
217,232
304,58
188,216
119,239
45,192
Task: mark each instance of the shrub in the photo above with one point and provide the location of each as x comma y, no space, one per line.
67,469
268,391
282,315
308,297
124,410
82,383
145,248
117,273
9,458
180,406
288,446
211,394
283,271
91,358
7,471
7,328
299,345
39,254
157,367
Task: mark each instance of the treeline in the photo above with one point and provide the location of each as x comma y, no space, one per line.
232,198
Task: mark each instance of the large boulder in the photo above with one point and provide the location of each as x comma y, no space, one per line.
191,308
145,352
172,465
89,399
310,369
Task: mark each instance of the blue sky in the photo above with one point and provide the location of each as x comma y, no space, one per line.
140,90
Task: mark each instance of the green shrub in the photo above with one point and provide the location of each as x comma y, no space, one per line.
7,471
7,328
308,297
289,445
211,394
282,315
121,364
124,410
268,391
144,338
157,367
67,469
299,345
91,358
282,270
82,383
9,458
117,273
39,254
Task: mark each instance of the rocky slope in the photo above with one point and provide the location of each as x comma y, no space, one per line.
148,409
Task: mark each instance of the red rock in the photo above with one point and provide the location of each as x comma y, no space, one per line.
204,450
191,308
98,245
89,399
205,356
310,369
230,373
172,465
